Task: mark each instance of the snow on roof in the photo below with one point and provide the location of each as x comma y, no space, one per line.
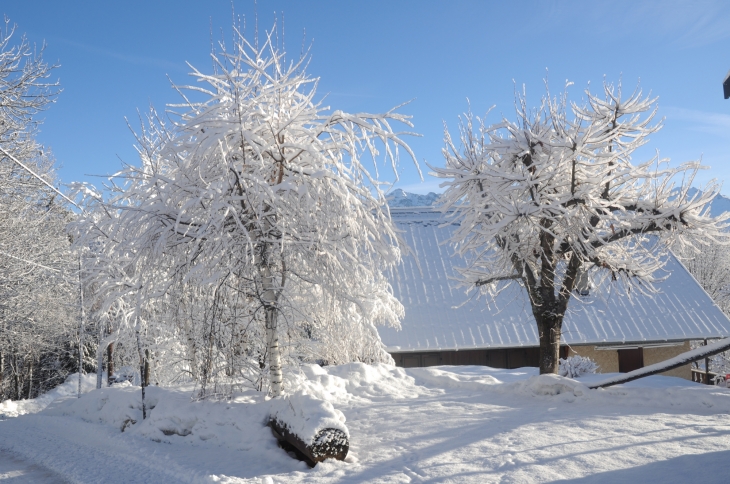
439,316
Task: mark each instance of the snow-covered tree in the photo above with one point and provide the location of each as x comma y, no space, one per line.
553,200
711,267
256,217
38,306
576,366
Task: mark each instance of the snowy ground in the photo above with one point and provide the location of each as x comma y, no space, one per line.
443,424
14,470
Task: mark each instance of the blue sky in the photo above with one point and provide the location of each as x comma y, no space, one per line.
116,57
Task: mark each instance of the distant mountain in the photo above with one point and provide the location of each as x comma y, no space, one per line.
399,198
720,204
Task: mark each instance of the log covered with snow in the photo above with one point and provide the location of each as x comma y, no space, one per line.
312,428
328,443
670,364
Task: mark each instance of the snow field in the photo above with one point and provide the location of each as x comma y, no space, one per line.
69,388
15,471
440,424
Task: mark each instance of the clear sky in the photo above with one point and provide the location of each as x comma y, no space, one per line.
116,57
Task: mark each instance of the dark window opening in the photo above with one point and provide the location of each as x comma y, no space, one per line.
630,360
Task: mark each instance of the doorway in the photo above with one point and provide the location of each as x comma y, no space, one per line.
630,359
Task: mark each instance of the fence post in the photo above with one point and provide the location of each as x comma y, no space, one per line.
707,368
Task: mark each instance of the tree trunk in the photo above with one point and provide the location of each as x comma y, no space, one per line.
272,334
30,377
142,360
100,357
146,367
110,364
16,378
272,340
270,297
191,349
81,328
549,330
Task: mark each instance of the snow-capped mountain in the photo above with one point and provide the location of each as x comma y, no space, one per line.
399,198
720,205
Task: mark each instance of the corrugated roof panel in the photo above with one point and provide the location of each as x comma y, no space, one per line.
438,316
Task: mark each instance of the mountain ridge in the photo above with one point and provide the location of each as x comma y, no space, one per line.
400,198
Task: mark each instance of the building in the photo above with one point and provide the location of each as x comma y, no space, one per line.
618,329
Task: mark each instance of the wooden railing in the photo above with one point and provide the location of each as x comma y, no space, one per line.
702,376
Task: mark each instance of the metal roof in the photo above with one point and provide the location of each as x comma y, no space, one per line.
439,316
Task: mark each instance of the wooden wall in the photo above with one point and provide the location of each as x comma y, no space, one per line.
528,356
498,358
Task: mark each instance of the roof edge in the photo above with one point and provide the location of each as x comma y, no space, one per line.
397,350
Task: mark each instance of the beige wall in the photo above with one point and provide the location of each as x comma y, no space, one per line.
656,355
608,359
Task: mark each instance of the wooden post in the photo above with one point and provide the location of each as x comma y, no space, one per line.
707,368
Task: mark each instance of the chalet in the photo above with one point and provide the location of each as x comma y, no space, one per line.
619,329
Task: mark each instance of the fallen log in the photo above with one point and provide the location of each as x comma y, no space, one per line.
670,364
327,444
310,427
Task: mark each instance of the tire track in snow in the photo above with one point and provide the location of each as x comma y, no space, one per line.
17,470
82,452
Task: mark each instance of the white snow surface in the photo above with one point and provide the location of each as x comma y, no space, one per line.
14,470
69,388
439,424
439,316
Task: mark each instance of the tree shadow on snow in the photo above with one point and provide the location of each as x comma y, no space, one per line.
485,428
708,468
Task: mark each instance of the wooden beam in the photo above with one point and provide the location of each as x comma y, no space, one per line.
670,364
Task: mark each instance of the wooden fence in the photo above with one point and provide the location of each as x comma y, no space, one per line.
702,376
